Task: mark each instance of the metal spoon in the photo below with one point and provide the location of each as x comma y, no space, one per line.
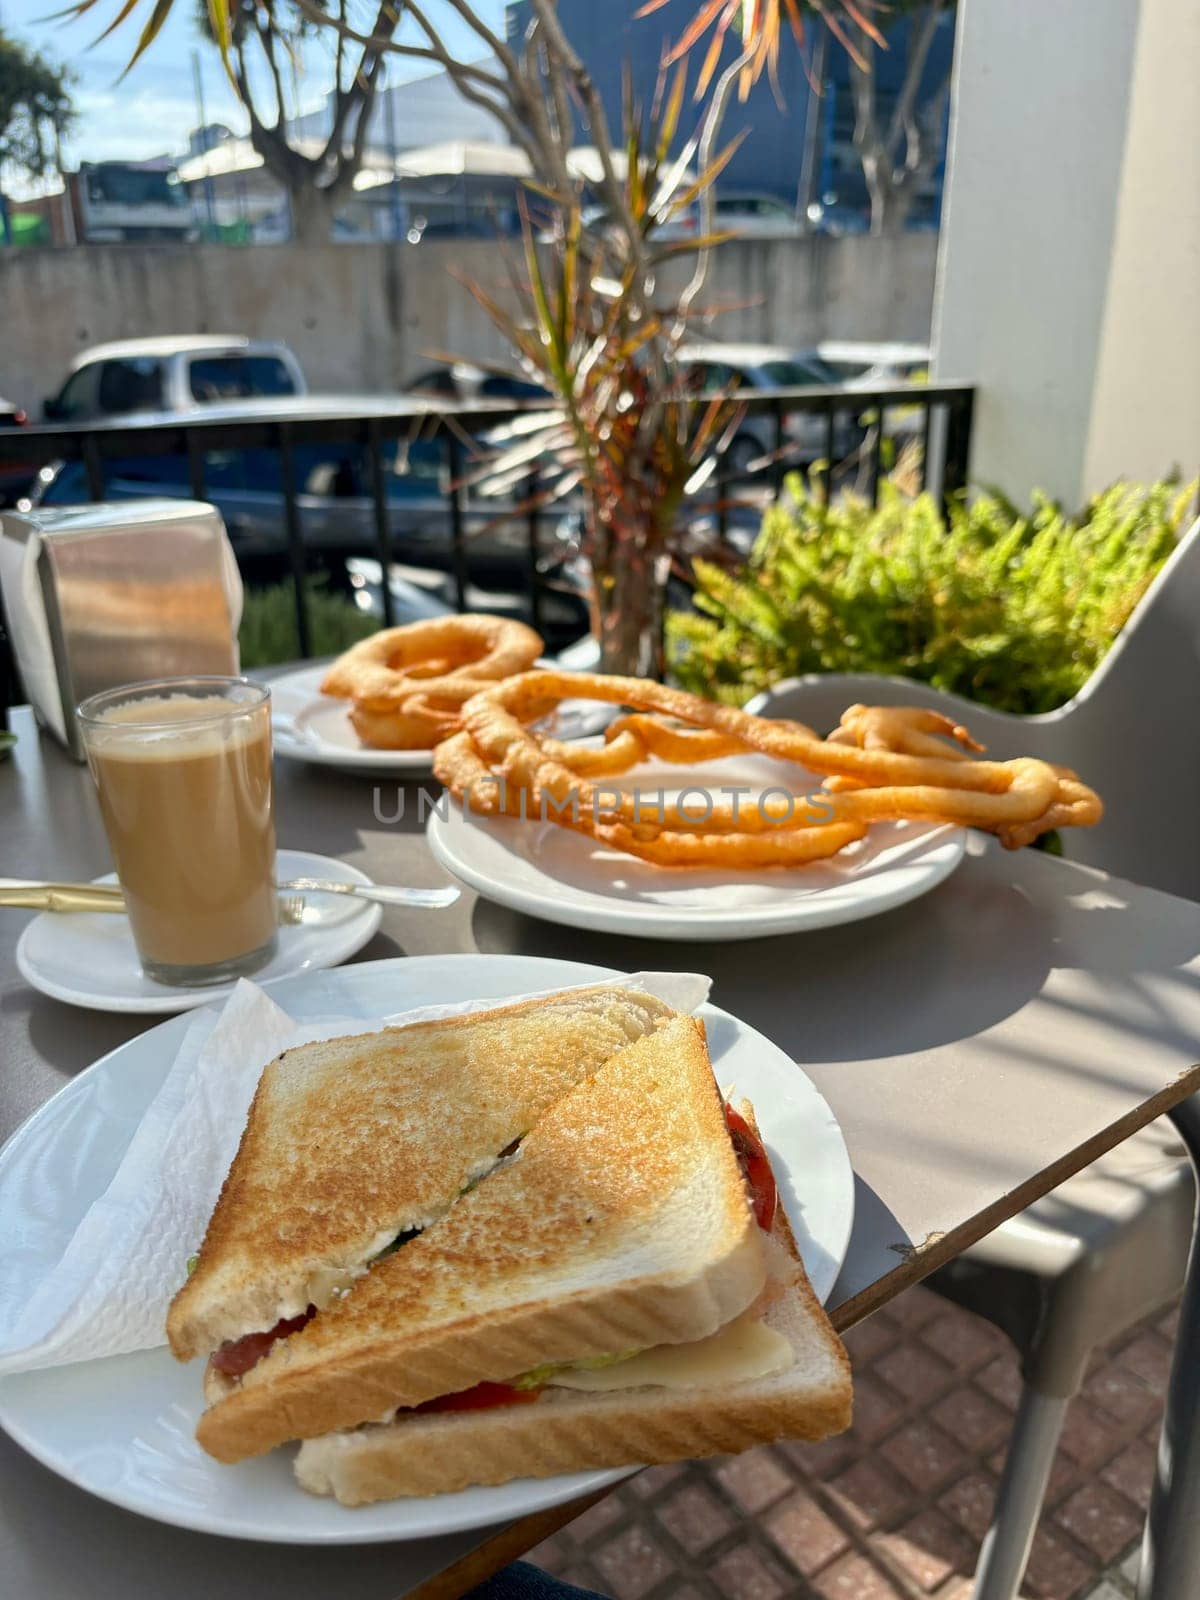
108,896
386,894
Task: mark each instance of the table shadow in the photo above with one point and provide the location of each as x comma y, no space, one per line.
888,974
946,967
39,1506
69,1038
873,1219
332,812
381,948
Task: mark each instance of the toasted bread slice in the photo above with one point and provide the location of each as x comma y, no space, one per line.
353,1141
622,1223
565,1430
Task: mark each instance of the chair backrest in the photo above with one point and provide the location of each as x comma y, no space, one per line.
1133,731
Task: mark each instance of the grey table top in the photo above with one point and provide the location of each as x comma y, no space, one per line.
977,1047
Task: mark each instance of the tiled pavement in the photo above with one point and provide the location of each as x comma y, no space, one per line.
893,1510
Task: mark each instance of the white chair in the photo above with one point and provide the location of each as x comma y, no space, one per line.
1109,1245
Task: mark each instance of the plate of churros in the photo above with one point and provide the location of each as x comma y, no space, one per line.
560,875
385,704
693,820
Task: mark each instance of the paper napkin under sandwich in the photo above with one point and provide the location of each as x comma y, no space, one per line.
121,1257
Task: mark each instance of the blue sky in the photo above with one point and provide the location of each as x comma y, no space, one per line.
151,111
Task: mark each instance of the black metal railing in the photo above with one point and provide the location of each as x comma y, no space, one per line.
848,433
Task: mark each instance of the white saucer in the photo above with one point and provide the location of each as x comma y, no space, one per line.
88,958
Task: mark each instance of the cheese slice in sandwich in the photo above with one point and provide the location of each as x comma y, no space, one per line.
352,1144
622,1223
778,1370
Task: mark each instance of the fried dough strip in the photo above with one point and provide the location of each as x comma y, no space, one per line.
431,657
883,763
779,848
1077,806
413,726
484,794
1035,790
910,729
555,791
632,739
493,722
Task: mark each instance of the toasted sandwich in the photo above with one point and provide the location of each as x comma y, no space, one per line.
355,1144
778,1371
619,1239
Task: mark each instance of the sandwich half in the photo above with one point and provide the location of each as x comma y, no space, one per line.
621,1223
776,1372
354,1144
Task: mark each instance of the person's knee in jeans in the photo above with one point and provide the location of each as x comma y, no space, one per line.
522,1581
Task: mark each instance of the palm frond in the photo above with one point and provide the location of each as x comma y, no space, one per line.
219,22
153,27
756,28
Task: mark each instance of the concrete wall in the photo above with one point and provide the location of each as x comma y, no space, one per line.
1145,412
1069,278
360,317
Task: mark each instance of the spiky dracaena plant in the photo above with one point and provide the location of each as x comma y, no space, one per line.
625,433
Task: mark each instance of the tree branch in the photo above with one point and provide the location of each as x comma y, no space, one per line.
347,166
388,43
497,45
560,46
921,40
339,48
924,144
564,121
359,93
510,99
266,39
470,80
867,140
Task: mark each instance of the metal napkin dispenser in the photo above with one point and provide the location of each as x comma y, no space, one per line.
101,595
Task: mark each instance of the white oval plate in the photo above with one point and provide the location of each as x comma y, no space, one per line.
89,958
122,1428
555,873
310,726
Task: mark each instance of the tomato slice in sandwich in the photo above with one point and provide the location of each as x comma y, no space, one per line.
756,1168
236,1356
480,1398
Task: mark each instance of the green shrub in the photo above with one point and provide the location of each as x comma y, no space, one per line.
1013,610
268,633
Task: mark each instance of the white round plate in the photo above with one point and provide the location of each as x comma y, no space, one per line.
555,873
122,1428
310,726
89,958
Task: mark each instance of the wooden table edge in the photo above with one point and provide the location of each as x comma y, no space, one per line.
915,1263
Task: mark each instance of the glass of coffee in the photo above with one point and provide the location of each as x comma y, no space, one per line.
183,771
